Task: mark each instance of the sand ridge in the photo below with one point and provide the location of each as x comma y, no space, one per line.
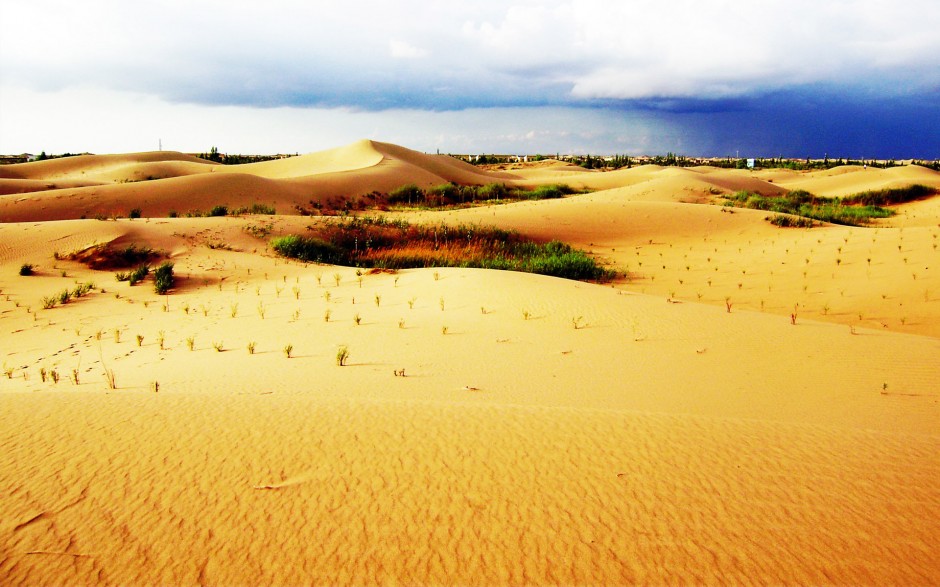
544,431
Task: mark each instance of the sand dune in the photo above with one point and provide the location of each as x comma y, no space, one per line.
664,440
182,183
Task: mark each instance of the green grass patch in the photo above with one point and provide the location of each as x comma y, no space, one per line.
379,242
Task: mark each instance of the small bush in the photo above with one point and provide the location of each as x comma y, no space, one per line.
342,355
138,275
219,210
163,278
26,269
135,213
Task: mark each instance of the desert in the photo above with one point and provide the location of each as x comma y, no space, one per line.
733,402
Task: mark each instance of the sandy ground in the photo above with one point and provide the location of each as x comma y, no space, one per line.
663,440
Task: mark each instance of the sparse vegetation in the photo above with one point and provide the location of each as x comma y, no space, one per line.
26,269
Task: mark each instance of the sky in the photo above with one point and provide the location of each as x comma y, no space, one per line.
792,78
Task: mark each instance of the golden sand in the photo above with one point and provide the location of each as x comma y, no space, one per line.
664,440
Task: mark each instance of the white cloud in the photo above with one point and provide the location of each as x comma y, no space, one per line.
523,51
305,60
399,49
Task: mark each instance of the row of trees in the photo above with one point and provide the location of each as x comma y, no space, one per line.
233,159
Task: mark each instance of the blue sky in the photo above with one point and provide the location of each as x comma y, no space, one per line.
852,78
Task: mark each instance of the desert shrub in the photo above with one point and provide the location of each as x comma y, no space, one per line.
81,290
547,192
134,213
560,260
255,208
26,269
112,257
887,197
378,243
407,194
802,203
307,249
493,191
135,276
447,193
219,210
163,278
787,221
342,355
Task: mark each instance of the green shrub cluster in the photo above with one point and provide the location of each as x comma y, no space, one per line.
308,249
847,211
786,221
133,277
397,244
163,278
890,196
454,195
